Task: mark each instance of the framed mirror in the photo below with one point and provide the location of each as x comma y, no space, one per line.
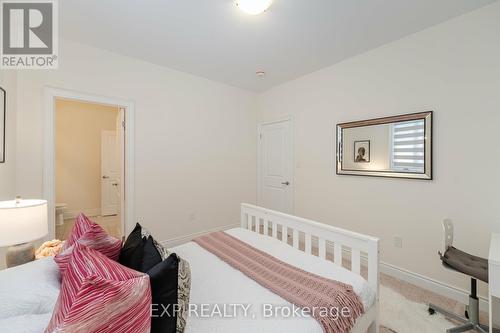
398,146
2,125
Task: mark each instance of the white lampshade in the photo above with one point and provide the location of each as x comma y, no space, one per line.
22,221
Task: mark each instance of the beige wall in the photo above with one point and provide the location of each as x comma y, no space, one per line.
196,151
78,153
452,68
195,148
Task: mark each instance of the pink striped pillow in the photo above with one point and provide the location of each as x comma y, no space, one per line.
82,224
99,295
96,238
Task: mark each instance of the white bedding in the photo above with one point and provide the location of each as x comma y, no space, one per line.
215,282
28,292
29,289
34,323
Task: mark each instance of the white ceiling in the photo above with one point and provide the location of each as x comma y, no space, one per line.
215,40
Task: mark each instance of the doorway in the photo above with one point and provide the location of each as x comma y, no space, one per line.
88,161
88,165
275,165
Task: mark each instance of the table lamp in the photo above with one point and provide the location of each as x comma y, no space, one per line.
21,222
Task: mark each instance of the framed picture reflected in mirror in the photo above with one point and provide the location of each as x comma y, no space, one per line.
362,151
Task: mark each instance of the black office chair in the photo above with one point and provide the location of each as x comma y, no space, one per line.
476,268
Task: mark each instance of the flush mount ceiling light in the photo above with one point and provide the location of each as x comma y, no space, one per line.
253,7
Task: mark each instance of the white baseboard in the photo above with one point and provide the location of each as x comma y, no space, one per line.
184,239
433,285
424,282
90,212
416,279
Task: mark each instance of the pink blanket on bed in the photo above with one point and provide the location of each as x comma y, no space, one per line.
333,304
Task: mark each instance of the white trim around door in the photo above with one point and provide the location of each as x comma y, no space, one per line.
288,176
49,190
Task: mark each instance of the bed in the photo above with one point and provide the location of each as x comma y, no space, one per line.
213,281
300,242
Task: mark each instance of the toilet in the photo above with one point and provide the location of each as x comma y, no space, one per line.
60,208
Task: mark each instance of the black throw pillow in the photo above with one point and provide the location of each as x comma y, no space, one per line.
132,252
151,257
163,279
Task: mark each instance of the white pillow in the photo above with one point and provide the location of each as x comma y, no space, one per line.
32,288
35,323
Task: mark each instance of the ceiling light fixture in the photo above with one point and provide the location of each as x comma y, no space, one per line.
253,7
260,73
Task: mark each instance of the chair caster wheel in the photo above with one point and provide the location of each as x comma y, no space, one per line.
466,314
431,311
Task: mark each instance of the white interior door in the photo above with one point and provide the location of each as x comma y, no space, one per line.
275,169
110,174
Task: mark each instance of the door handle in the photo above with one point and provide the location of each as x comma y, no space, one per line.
105,177
286,183
115,184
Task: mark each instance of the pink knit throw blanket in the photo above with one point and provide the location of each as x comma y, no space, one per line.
333,304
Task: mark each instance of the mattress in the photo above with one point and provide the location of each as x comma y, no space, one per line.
225,300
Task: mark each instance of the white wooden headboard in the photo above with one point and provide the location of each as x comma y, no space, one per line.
358,245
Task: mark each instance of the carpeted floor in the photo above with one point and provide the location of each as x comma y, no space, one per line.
398,314
404,308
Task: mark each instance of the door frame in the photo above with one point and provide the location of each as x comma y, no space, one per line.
127,215
259,158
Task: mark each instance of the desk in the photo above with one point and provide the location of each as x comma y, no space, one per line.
494,281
